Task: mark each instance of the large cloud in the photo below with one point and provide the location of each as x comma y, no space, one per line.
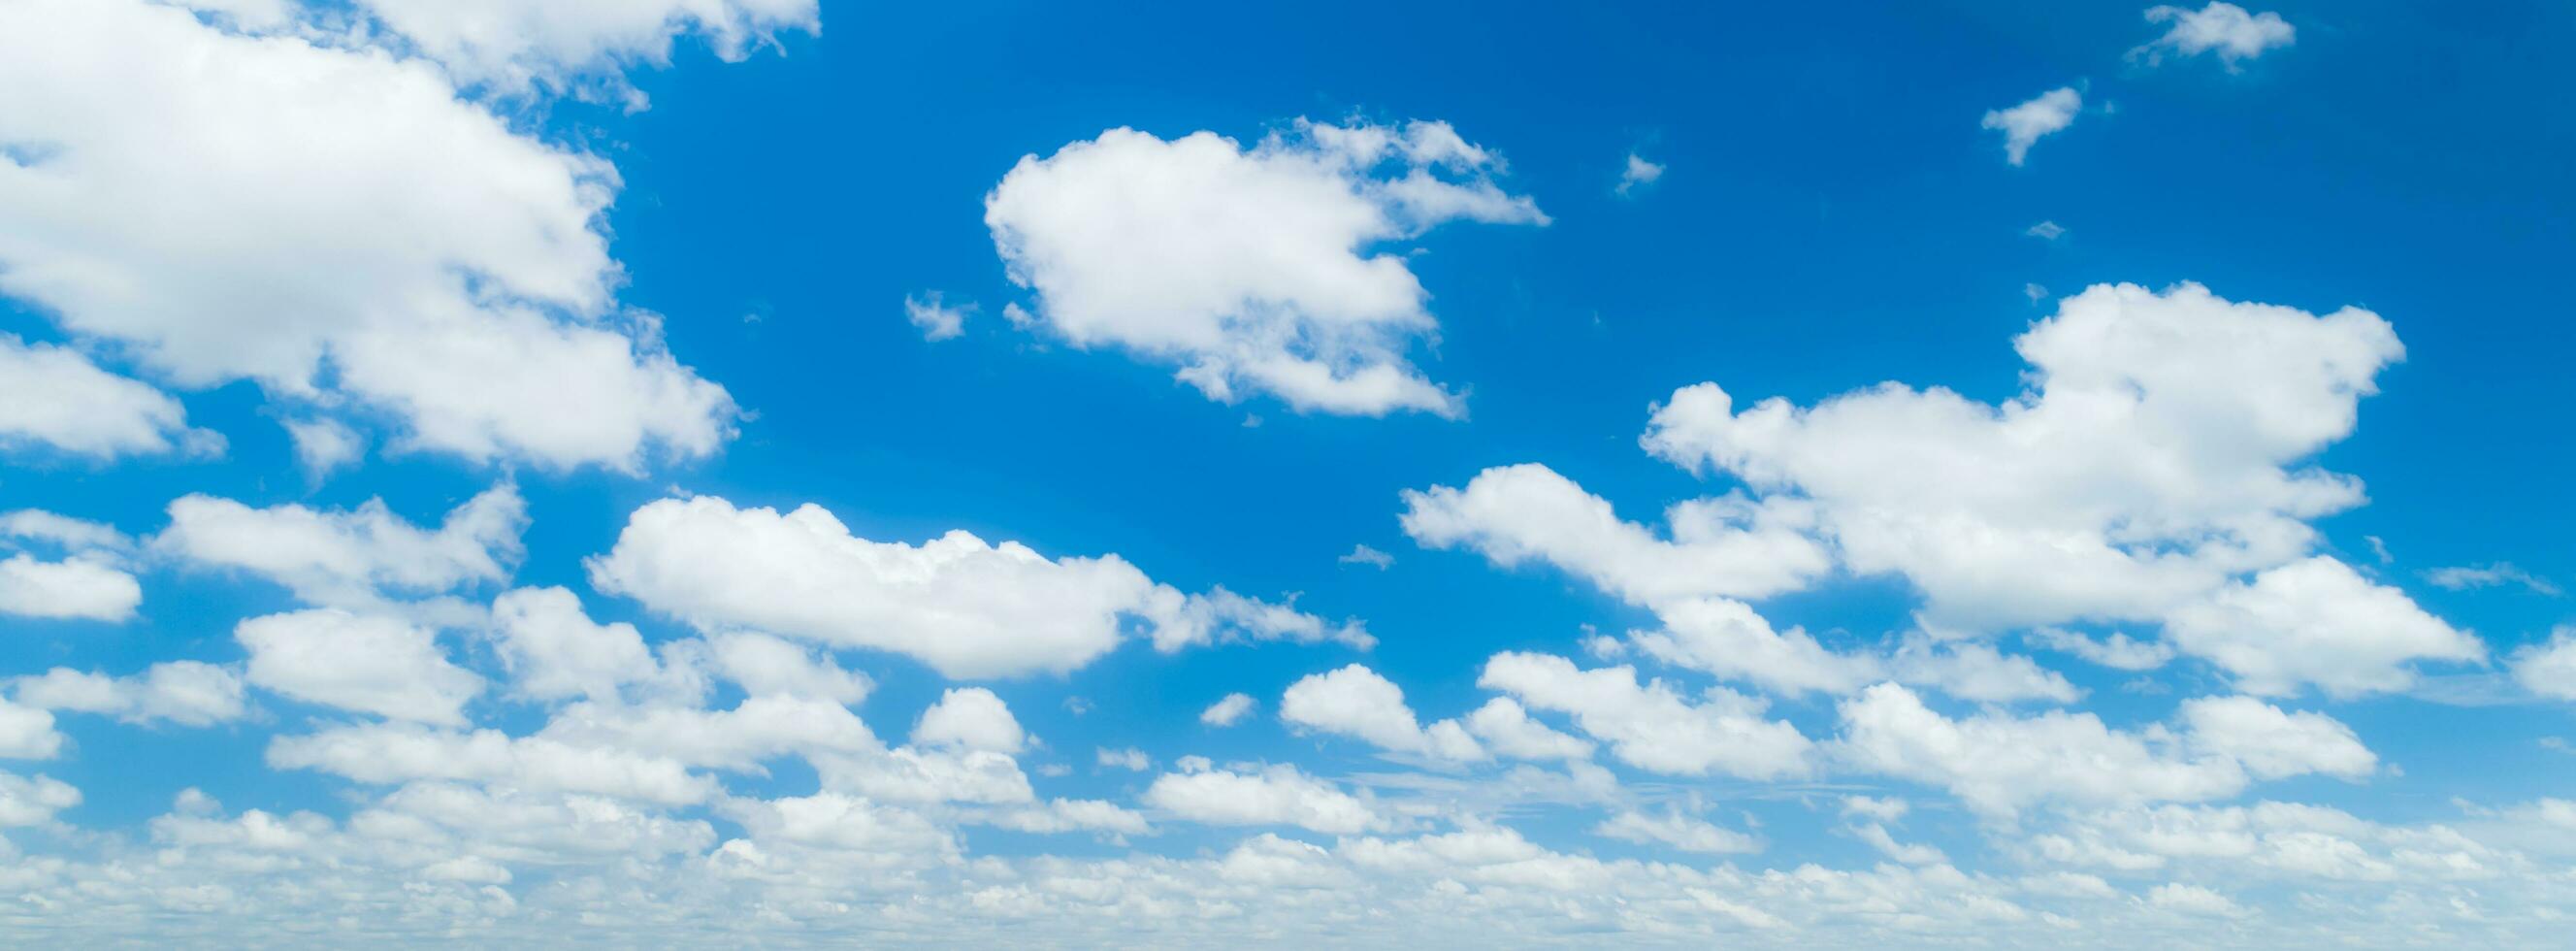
957,603
1254,269
2157,457
345,231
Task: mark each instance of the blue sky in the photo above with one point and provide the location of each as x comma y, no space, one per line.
409,410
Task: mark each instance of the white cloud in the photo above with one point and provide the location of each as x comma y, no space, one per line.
28,801
2117,651
27,732
2549,668
1997,763
2316,622
1246,266
1508,729
1364,555
1650,726
766,666
837,821
346,231
1130,758
54,397
1356,701
1637,173
757,730
2153,456
1722,546
554,651
965,607
1877,836
937,319
516,44
2471,577
71,534
401,753
1727,546
1679,831
2235,34
1228,711
349,558
2047,231
79,587
2025,124
970,718
1279,795
185,692
357,662
2272,743
1727,638
1070,815
324,445
2193,900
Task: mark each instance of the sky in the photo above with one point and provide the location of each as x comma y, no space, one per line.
785,473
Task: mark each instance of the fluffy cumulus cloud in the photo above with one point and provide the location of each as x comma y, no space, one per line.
2548,668
964,606
354,557
1228,711
1356,701
1276,796
554,651
1650,725
2224,28
52,397
2316,621
181,692
1722,546
972,718
375,665
1254,269
688,743
2154,470
1998,763
1729,546
65,568
74,587
2024,125
347,232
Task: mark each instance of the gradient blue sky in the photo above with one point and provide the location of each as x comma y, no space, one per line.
770,184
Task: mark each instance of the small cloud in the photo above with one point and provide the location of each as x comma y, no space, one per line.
2235,34
2046,231
1638,174
2471,577
2035,292
1227,712
2379,548
2556,743
937,320
1077,706
1364,555
324,445
1131,759
2024,124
